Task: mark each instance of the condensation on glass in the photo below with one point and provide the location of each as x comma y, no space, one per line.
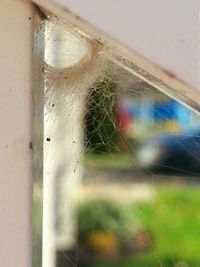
116,158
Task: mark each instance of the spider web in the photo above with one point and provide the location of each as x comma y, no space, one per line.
100,206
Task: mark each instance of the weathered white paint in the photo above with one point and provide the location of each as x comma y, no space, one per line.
15,133
164,78
63,132
164,31
71,48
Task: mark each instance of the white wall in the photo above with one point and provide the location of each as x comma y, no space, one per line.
15,133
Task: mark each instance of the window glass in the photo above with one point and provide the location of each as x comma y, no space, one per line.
116,159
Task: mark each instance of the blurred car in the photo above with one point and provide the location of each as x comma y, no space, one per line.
171,153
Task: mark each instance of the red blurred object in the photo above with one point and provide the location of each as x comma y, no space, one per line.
124,119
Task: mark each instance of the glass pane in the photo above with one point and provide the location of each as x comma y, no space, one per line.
117,159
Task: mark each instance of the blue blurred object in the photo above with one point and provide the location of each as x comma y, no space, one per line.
165,111
153,111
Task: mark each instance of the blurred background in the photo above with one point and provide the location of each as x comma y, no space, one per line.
138,200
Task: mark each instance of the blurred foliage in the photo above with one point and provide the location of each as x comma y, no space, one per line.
101,215
102,133
103,241
173,220
110,161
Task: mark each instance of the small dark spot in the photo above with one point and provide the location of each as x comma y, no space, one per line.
74,142
66,78
99,41
170,74
43,69
31,145
53,105
48,139
77,17
40,12
66,9
76,166
29,18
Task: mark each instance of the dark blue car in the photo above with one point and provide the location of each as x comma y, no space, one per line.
171,153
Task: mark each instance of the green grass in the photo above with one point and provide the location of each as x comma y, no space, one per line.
173,222
107,160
